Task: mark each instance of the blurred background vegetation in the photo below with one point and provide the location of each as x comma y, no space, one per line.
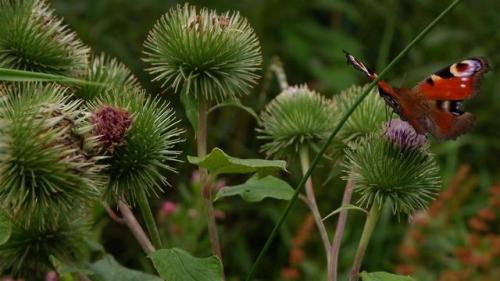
309,36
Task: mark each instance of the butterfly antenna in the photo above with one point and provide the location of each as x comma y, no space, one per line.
359,65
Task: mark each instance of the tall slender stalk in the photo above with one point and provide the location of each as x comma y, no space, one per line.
339,233
201,141
149,220
135,227
370,223
342,121
311,198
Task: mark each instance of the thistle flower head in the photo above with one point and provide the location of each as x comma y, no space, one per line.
384,171
45,165
32,38
403,134
296,117
107,71
208,55
27,252
110,124
143,133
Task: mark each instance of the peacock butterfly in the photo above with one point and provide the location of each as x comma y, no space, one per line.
434,105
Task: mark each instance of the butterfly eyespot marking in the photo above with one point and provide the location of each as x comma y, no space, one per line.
466,68
453,107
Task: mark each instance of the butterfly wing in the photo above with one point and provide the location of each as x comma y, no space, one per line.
442,123
458,81
440,97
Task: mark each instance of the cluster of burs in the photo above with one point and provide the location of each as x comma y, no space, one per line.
65,146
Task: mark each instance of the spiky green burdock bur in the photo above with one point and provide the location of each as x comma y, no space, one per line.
138,134
108,72
394,165
205,54
32,38
368,117
27,252
49,176
298,117
46,167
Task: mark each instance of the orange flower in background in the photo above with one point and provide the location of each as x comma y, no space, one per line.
478,225
487,214
405,269
289,273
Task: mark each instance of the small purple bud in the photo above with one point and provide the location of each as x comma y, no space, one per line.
111,123
403,134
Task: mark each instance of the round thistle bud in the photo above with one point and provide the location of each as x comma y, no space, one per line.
107,71
45,165
203,53
139,135
297,117
31,38
368,117
27,252
392,169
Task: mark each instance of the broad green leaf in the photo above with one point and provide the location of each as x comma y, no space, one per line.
67,272
16,75
255,189
5,227
191,107
344,207
219,162
178,265
383,276
108,269
236,103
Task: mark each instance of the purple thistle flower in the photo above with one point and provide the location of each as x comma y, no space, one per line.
110,125
403,134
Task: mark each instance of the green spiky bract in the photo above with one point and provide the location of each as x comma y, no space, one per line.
28,250
368,117
32,38
108,72
205,54
297,117
141,160
46,170
385,172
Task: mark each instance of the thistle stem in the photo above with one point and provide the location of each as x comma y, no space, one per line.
370,223
149,220
135,227
311,199
339,233
201,141
341,123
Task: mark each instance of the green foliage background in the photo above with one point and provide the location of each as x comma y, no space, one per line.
309,36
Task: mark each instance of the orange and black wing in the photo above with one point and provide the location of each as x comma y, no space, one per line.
456,82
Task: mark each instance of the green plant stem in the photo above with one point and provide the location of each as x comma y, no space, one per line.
135,227
206,186
149,220
339,232
370,223
311,202
342,121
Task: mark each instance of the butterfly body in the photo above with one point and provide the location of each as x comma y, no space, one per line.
434,105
